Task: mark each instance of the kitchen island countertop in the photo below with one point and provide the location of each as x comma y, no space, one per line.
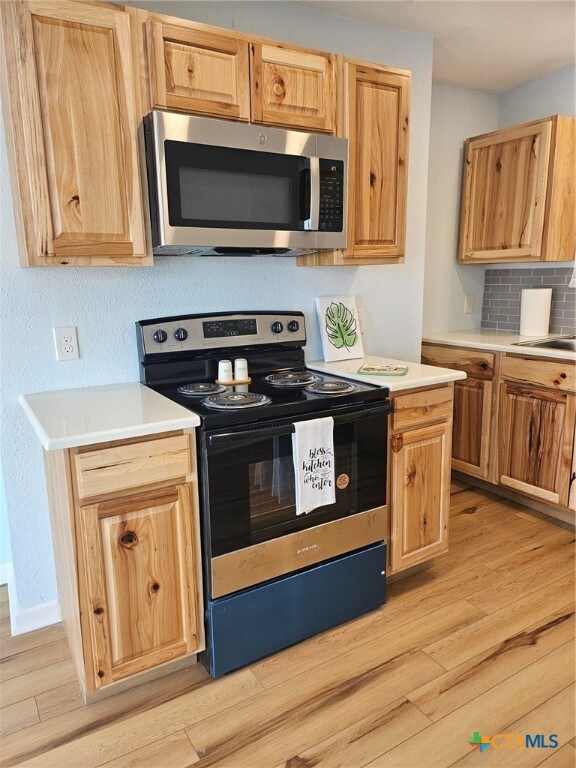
68,418
418,375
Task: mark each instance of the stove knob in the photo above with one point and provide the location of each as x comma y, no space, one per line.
160,336
181,334
293,326
277,327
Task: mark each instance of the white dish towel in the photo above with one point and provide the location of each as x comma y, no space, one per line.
313,454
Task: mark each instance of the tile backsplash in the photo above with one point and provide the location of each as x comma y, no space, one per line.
502,287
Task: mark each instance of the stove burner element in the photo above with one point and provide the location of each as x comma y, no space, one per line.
232,401
291,379
201,389
327,388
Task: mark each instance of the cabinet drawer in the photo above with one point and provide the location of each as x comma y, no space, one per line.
555,374
422,407
122,467
475,362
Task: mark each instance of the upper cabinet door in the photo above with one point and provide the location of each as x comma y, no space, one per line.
292,88
72,133
195,70
504,194
377,127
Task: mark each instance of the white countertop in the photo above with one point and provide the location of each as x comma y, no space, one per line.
500,341
418,375
68,418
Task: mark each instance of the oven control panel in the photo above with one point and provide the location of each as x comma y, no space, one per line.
189,333
331,196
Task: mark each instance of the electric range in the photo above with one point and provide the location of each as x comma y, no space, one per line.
271,576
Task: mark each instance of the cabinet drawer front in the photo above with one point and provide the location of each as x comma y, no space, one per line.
422,407
555,374
475,362
109,470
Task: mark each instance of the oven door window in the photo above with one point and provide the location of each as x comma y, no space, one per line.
221,187
251,484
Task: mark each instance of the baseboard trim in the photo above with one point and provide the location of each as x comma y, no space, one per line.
27,619
563,515
36,617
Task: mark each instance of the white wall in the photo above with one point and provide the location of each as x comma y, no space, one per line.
104,303
457,113
554,94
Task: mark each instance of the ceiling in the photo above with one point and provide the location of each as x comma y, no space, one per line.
489,45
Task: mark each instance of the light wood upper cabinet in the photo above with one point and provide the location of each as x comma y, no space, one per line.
420,475
377,120
291,87
373,114
536,435
519,196
140,569
194,70
69,88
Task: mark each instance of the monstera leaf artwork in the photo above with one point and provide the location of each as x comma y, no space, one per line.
339,327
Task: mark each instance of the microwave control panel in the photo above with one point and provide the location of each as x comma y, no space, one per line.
331,196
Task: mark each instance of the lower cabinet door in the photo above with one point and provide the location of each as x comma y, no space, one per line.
536,437
471,432
420,494
141,601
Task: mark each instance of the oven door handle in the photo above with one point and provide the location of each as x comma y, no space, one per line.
287,429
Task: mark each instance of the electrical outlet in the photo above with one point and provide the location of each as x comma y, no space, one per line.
66,343
468,305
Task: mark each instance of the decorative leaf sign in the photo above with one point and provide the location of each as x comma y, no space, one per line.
340,326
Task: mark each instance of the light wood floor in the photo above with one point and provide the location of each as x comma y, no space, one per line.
482,641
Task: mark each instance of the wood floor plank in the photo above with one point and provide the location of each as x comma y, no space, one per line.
59,701
376,633
17,716
520,581
532,552
36,658
57,726
3,593
32,683
357,744
306,710
4,628
20,643
495,628
174,751
446,741
472,678
120,738
565,757
4,610
556,715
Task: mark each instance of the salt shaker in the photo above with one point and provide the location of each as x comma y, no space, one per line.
225,371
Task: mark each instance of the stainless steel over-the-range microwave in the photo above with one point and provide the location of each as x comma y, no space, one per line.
225,188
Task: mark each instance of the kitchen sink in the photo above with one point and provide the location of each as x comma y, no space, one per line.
567,343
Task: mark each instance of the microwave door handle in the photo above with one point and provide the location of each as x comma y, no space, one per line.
313,222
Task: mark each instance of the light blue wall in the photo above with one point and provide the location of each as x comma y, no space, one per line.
457,113
5,551
554,94
104,303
